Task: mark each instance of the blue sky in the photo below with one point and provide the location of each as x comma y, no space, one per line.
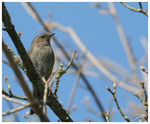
97,32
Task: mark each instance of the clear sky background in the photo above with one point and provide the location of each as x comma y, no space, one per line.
97,32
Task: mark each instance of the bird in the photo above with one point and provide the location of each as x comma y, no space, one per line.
42,56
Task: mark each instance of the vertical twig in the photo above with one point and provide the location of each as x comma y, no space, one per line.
73,90
115,99
124,41
61,72
46,90
140,4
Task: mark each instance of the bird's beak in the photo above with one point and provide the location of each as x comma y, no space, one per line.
52,34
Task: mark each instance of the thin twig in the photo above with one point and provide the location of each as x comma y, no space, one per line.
118,69
107,117
144,43
74,53
145,101
73,91
16,109
143,69
9,87
139,98
61,72
124,41
5,62
15,58
136,10
140,4
145,94
75,84
46,90
12,100
93,59
13,96
51,84
143,60
117,104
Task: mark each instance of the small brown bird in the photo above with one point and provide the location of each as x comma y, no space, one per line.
42,55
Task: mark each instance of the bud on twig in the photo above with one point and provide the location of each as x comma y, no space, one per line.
107,88
114,85
6,78
143,69
142,83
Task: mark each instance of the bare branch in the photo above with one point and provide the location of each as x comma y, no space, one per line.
36,80
117,104
73,90
24,85
140,4
15,58
144,102
68,58
93,59
15,110
12,100
144,44
46,90
9,88
61,72
124,41
145,94
139,98
136,10
12,95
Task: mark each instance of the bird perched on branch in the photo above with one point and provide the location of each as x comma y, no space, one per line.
42,56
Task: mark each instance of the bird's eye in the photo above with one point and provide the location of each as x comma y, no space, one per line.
43,36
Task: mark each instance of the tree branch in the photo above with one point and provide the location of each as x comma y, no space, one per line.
23,85
136,10
93,59
87,83
117,104
12,95
33,76
124,41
